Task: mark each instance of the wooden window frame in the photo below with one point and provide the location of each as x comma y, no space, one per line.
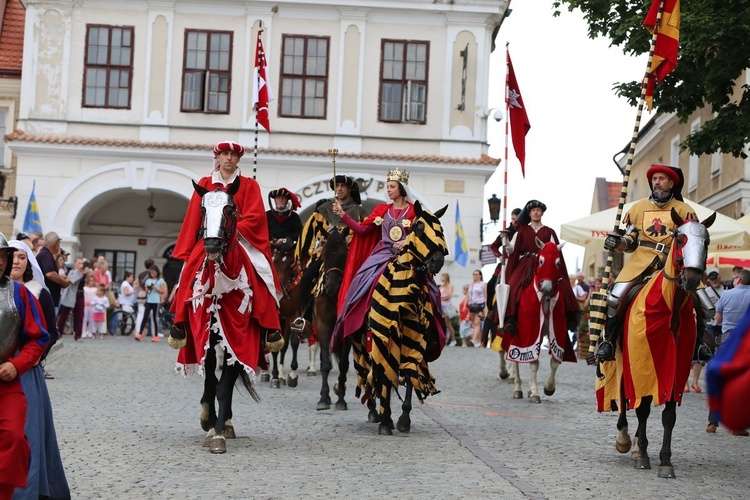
108,67
405,82
206,72
283,75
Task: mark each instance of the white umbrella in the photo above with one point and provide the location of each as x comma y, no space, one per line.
727,234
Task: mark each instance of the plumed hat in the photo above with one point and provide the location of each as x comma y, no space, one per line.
525,216
289,196
674,173
349,182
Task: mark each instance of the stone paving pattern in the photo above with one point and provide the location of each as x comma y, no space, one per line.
128,428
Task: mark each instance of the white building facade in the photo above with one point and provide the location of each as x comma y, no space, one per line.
121,103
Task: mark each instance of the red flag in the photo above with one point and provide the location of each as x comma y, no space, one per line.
667,44
262,93
519,121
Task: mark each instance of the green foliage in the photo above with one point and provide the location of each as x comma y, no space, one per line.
714,52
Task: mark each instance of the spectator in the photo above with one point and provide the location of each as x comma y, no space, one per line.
127,295
102,275
464,328
157,292
449,310
46,260
72,300
140,290
477,306
89,292
99,306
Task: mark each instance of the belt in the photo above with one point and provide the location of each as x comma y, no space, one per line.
659,247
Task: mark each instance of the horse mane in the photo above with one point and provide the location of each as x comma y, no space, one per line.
334,241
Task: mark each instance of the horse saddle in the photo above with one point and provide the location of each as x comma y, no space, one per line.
627,297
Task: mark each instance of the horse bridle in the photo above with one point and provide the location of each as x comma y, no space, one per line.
327,272
226,227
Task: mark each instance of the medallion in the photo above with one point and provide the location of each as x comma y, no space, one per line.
396,233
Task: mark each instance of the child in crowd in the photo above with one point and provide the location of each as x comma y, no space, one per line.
99,305
89,292
463,316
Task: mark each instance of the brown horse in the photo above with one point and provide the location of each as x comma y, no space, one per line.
325,313
290,307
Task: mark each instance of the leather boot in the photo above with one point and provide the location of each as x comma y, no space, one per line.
605,351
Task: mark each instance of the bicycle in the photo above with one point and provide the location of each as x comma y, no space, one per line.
121,322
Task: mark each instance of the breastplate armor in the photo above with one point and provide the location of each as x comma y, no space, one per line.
9,322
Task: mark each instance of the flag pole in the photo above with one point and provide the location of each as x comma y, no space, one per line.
598,302
505,169
257,83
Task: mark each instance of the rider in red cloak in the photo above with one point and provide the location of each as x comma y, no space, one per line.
243,323
522,249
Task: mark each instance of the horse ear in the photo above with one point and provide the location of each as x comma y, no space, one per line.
418,208
441,212
708,221
538,243
561,245
676,218
199,189
234,187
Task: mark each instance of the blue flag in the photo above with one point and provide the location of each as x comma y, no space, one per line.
32,221
461,252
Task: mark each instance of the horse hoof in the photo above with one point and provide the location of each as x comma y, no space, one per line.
218,444
336,389
207,440
504,374
312,373
404,425
292,382
373,417
229,432
384,429
549,392
275,383
517,394
666,471
535,399
323,405
341,405
265,377
623,447
642,463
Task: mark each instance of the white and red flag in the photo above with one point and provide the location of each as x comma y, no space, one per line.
262,93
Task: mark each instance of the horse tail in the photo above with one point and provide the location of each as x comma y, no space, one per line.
247,383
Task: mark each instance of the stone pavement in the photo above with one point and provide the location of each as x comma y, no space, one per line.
128,428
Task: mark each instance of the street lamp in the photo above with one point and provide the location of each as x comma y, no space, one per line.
151,210
494,205
10,204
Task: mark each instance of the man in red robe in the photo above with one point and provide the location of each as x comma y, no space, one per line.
249,312
23,339
521,251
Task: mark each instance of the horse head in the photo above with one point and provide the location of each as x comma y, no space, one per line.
219,218
426,241
334,259
547,266
690,249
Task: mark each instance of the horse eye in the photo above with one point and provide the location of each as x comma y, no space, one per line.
541,261
557,262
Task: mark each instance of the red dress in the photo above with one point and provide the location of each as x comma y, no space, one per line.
246,277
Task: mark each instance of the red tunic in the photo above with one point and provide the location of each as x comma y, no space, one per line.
250,303
14,449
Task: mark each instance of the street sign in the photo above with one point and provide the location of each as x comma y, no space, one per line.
486,255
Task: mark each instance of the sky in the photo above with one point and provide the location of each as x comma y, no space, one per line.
577,122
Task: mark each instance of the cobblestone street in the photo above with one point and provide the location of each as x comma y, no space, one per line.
128,428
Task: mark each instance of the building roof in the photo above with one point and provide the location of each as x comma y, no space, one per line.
21,136
12,22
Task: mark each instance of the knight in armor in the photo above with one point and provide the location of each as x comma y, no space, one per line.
521,250
284,225
320,223
648,237
23,339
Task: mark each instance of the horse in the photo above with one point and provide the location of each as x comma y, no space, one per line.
403,333
290,307
654,355
325,312
541,313
221,367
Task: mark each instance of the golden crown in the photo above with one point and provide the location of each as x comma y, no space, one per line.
398,176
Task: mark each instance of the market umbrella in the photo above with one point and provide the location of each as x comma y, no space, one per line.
727,234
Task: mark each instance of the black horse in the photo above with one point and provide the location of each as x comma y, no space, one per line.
221,369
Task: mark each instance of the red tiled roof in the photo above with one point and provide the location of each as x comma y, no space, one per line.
11,38
19,135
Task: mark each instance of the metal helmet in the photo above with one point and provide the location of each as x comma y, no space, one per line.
4,246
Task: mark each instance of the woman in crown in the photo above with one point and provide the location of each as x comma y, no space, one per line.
376,241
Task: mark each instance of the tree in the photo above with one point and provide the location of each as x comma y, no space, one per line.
714,54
